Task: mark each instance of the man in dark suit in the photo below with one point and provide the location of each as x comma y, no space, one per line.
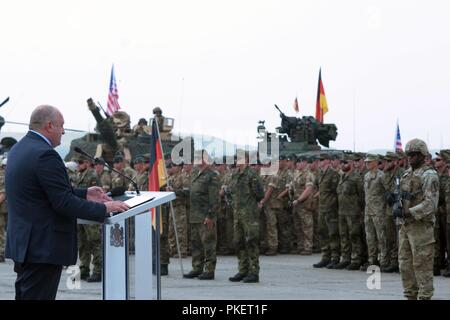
43,208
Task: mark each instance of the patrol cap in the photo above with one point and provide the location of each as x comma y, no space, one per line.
80,157
291,157
139,159
400,154
390,156
324,156
99,161
371,157
118,159
444,154
71,165
282,157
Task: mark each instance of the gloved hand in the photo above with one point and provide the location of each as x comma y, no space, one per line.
397,213
389,197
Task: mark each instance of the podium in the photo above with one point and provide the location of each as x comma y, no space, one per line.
115,275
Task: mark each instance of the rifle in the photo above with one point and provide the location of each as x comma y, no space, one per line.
397,208
227,197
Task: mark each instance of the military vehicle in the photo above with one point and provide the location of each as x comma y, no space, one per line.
6,143
114,135
299,136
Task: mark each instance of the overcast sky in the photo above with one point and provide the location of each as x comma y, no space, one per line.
218,67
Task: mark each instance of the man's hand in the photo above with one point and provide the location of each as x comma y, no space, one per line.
295,203
209,223
260,205
406,213
96,194
116,206
169,188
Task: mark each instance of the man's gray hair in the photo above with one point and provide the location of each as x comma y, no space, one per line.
41,115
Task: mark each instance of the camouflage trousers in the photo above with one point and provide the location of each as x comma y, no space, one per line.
440,236
90,245
164,257
272,228
350,235
262,231
182,227
329,235
225,231
203,247
376,238
416,251
246,238
391,239
3,220
364,250
304,228
285,224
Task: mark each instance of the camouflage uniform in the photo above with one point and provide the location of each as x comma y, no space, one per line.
364,251
416,237
263,245
349,192
89,235
314,181
274,211
440,232
328,215
119,181
179,185
391,229
284,217
303,212
104,180
203,199
3,216
374,218
225,217
187,176
247,190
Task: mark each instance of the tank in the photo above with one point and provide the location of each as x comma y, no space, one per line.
6,143
299,136
114,134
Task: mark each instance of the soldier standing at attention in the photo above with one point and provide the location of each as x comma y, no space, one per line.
177,183
328,214
391,173
3,211
445,155
247,190
420,188
225,213
440,228
202,219
374,219
118,180
349,192
103,175
89,235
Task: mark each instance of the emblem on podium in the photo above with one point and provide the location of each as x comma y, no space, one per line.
116,239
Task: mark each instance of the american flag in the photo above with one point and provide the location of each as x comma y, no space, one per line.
113,95
398,140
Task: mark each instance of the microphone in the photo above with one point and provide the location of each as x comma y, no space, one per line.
84,153
115,192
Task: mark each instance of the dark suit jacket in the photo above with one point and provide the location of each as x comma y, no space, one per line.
42,205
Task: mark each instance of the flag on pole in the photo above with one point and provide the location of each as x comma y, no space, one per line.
398,140
296,105
321,103
113,95
157,172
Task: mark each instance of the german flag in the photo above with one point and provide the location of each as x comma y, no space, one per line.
157,173
321,103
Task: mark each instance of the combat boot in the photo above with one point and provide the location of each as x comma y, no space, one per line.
305,253
342,265
353,266
332,264
192,274
251,278
322,263
164,269
237,277
271,252
96,277
436,271
2,258
447,273
364,266
392,268
206,276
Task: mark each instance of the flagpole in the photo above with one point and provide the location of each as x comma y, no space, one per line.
171,206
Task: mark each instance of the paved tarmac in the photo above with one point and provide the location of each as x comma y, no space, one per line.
282,277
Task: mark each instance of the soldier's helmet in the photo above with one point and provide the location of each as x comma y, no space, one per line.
157,110
417,145
142,121
121,119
